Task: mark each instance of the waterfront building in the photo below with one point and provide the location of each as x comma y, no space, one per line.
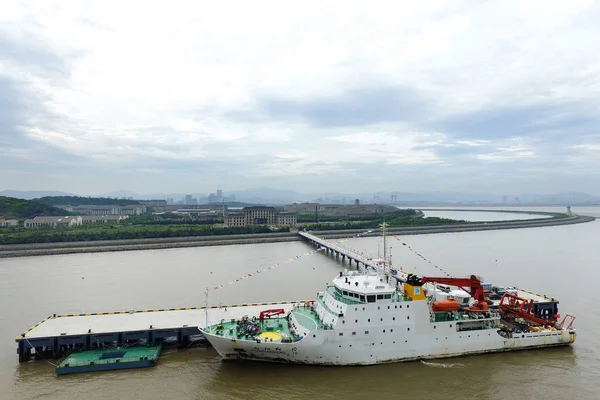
260,215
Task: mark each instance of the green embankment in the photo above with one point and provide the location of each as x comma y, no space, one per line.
94,232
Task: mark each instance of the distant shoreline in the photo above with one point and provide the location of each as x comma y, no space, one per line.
43,249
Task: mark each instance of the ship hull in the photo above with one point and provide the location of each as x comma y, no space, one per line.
324,351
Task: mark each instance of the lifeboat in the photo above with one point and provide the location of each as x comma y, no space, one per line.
446,305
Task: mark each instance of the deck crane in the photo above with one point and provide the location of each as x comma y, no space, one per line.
514,306
271,313
473,284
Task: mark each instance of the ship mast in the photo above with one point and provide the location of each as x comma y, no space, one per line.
385,249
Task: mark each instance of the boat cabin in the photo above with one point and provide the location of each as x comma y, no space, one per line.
352,289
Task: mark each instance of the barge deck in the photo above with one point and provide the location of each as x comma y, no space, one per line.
60,334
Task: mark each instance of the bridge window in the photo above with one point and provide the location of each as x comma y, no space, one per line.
370,298
379,297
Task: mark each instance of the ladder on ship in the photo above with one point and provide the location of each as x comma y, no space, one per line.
430,301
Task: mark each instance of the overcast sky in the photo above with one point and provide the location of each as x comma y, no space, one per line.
499,96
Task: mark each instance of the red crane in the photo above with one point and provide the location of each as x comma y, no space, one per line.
270,313
473,284
520,307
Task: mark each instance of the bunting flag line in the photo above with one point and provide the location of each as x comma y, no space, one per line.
421,256
265,269
363,253
363,256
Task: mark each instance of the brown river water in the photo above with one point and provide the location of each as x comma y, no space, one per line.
560,261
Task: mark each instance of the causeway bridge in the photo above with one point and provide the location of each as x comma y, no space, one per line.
341,252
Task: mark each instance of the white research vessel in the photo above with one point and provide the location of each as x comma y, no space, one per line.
365,318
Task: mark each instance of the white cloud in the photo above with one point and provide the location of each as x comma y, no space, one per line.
153,81
508,154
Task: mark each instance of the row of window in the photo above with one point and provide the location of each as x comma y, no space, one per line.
388,307
371,298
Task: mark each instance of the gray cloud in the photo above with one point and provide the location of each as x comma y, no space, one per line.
566,120
142,117
355,107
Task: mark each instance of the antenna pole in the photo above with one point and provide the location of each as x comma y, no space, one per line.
384,225
206,307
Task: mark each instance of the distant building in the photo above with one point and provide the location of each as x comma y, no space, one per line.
154,203
341,210
92,219
219,198
62,222
106,210
201,213
260,215
8,222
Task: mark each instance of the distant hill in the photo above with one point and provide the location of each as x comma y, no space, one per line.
32,194
13,208
84,201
